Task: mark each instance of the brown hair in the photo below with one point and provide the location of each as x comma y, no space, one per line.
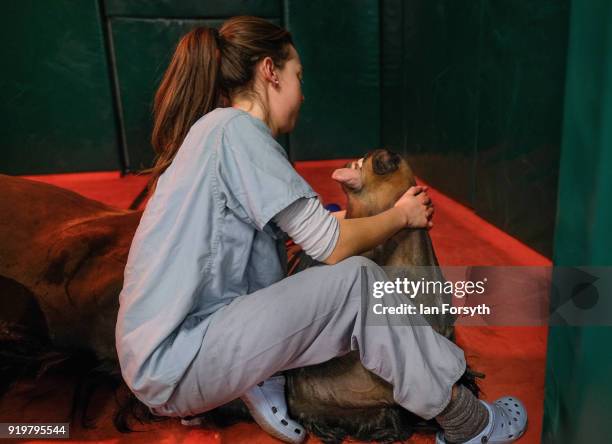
207,70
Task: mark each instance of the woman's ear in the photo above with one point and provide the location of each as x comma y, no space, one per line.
268,71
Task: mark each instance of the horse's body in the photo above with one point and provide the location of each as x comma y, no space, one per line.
69,253
62,258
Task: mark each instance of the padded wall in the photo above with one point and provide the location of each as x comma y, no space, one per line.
339,45
81,95
578,387
55,93
144,35
142,51
472,92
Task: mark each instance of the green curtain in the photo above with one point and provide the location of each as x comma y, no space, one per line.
578,385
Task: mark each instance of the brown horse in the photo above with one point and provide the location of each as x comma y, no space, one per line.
62,258
341,398
61,270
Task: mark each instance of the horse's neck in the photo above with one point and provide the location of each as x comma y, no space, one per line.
408,247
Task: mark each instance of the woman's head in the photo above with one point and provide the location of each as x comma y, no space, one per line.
259,65
248,62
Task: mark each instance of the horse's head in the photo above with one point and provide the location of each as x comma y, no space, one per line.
374,182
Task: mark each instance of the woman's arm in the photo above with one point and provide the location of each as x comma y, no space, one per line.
330,239
359,235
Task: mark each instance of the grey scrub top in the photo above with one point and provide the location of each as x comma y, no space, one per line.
205,237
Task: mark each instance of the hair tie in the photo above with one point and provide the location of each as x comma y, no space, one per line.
217,36
215,32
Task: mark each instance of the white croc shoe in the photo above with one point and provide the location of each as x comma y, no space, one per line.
267,403
507,423
192,421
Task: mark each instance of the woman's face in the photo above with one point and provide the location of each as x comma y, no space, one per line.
286,97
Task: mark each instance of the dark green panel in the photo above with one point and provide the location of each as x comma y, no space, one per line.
578,387
431,81
55,96
522,69
338,43
143,49
391,73
193,8
472,93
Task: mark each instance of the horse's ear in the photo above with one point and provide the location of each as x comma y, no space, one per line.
348,177
385,162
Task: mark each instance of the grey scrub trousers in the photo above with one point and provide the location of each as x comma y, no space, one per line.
205,311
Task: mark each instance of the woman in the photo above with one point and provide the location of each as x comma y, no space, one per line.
206,315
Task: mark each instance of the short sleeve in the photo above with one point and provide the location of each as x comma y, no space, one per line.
255,178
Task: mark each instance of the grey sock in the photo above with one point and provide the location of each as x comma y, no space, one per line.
463,418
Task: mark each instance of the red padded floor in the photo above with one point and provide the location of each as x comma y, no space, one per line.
513,358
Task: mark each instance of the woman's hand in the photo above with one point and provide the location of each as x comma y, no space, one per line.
417,208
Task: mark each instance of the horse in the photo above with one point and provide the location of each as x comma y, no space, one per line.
62,258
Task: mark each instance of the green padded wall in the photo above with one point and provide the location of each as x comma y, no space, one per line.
578,387
142,50
430,74
55,94
338,43
522,65
472,93
144,35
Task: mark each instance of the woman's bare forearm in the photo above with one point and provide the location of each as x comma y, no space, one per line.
362,234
